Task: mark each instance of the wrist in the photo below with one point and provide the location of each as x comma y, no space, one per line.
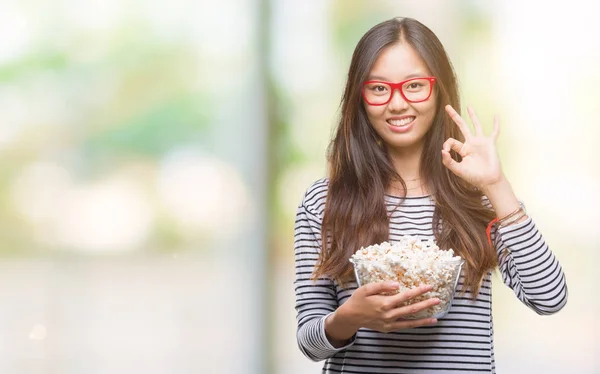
502,197
340,327
345,317
498,184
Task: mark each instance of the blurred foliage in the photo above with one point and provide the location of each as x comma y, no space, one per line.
350,20
32,62
154,130
128,96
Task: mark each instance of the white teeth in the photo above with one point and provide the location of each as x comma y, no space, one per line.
401,122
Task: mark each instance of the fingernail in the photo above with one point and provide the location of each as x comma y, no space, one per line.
393,284
433,320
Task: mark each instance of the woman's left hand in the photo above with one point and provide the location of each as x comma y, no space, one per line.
480,165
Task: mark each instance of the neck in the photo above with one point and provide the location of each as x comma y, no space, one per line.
407,163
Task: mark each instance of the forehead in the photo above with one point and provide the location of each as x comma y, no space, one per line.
398,62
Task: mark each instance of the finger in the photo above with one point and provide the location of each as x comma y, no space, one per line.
496,130
454,144
380,287
449,162
402,297
412,309
475,120
462,125
409,324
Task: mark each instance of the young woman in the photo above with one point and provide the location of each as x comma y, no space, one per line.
404,162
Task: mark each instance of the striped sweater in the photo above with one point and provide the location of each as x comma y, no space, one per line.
462,341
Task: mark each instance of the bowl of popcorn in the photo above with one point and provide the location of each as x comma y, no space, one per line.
411,262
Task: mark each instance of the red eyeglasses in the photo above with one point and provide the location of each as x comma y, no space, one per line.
414,90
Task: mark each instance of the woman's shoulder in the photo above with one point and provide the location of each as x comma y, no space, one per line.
315,197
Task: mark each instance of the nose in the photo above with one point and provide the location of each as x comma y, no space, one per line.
397,102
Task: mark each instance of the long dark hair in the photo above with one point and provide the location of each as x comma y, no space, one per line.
360,171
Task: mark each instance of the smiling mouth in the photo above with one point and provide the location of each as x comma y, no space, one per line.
401,122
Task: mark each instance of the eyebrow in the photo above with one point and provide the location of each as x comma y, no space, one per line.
380,78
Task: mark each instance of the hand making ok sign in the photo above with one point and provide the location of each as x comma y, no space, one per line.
480,165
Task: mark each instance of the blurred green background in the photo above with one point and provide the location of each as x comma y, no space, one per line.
152,155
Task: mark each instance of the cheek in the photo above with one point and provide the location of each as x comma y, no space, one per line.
428,109
374,113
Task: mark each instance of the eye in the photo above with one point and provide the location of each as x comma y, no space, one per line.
414,86
377,88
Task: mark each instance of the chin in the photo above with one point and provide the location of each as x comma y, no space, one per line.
403,143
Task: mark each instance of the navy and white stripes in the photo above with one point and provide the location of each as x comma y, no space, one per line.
462,341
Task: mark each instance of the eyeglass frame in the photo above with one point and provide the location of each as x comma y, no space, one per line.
398,86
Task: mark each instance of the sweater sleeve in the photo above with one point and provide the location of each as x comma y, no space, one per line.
529,268
315,299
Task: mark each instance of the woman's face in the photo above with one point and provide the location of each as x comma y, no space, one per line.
402,125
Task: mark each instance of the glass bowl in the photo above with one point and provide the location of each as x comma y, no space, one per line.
441,274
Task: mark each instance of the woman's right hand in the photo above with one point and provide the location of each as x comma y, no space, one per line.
368,307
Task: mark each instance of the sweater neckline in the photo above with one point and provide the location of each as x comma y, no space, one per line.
408,197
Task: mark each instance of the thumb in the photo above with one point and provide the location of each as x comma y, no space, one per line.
380,287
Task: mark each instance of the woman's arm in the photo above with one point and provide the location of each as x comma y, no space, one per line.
315,299
527,265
